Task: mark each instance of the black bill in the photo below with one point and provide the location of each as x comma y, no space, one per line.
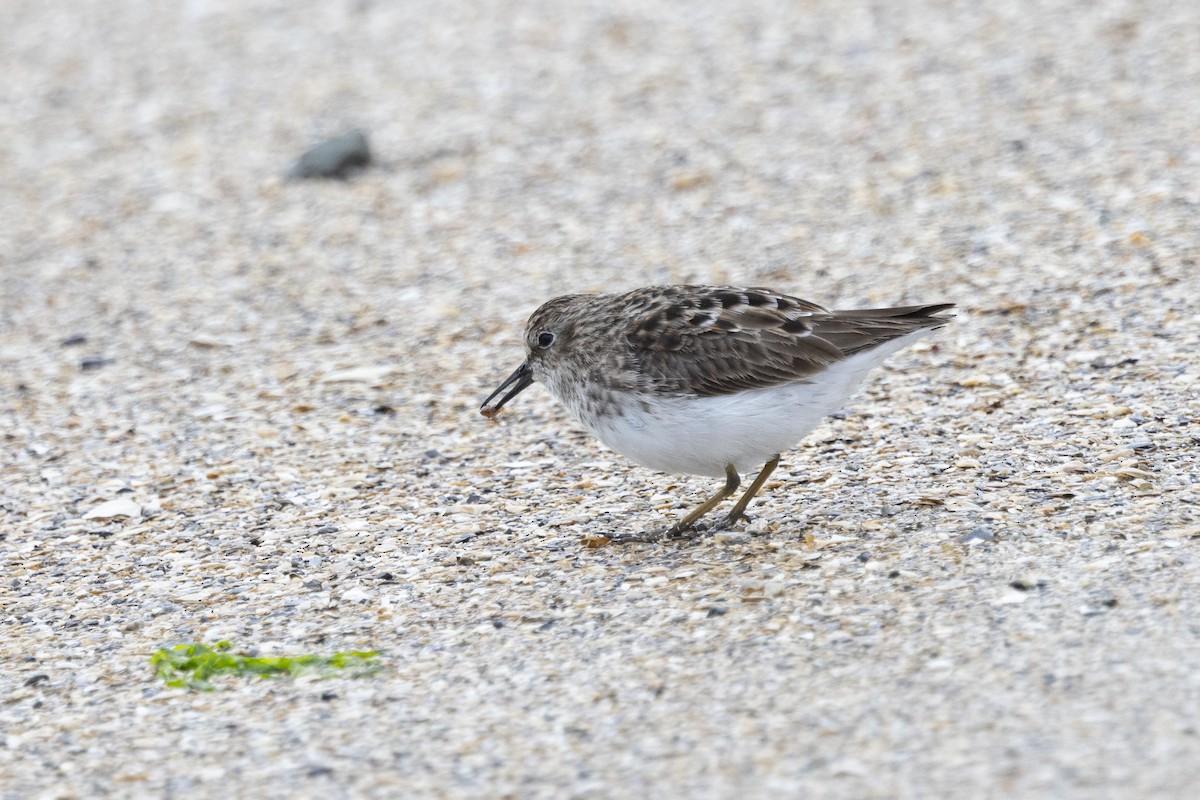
519,381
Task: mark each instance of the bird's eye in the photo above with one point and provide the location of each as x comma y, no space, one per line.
545,339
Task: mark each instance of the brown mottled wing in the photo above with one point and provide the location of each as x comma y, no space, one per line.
717,340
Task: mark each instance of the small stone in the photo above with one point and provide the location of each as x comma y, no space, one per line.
1028,584
1133,472
355,595
980,534
121,507
335,158
1010,597
94,362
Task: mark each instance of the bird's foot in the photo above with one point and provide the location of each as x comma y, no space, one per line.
732,520
646,537
672,534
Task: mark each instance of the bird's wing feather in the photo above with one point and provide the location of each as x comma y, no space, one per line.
713,341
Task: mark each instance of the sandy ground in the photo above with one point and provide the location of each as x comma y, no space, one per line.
980,580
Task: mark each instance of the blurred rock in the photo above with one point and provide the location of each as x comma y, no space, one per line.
335,158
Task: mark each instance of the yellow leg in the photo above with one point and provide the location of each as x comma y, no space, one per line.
732,481
739,510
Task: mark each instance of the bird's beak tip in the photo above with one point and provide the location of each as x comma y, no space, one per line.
519,381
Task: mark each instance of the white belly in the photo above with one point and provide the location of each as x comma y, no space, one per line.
700,435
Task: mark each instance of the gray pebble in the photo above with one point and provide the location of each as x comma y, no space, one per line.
335,158
981,534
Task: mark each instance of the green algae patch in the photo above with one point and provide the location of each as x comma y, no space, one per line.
190,666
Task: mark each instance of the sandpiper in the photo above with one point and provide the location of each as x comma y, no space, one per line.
706,380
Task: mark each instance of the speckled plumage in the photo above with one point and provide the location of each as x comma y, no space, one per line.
710,380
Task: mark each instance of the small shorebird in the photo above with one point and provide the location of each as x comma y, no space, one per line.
707,380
